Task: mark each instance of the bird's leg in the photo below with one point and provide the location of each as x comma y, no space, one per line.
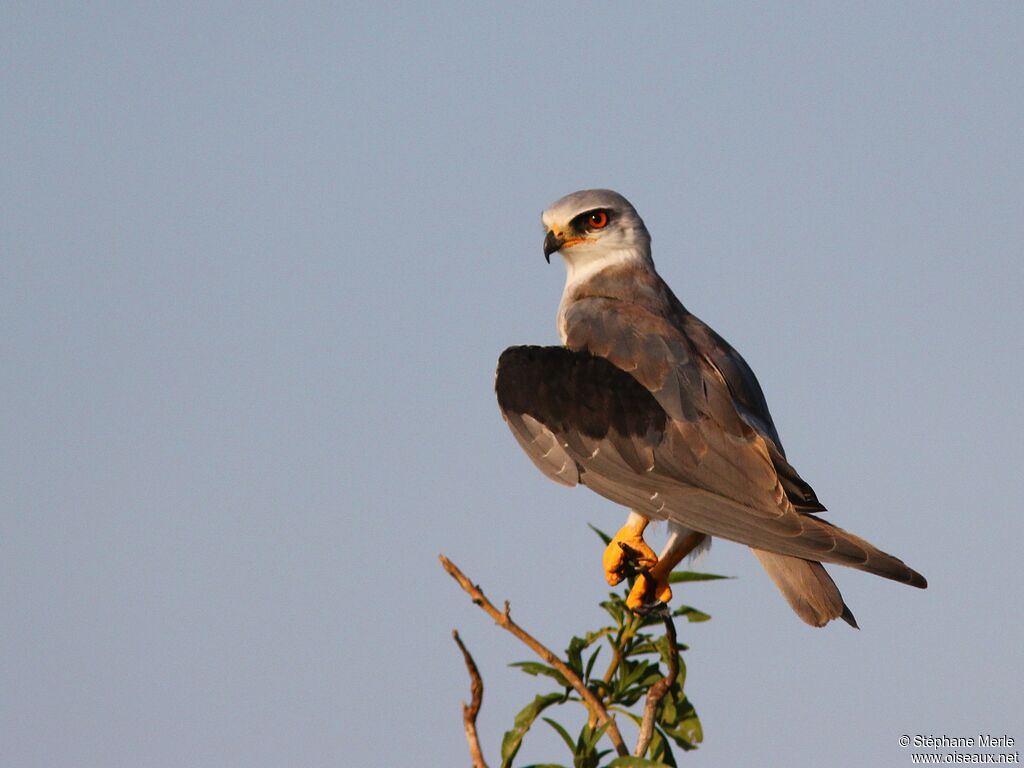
652,586
628,549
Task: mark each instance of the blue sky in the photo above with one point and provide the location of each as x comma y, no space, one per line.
258,262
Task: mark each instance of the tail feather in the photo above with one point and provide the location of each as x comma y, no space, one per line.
850,549
807,587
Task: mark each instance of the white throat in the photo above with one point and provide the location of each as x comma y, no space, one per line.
579,270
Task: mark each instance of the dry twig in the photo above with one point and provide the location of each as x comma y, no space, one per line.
471,710
659,689
502,619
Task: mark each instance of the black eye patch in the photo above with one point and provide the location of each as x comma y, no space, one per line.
594,219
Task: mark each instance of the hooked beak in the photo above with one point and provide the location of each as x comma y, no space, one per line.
552,243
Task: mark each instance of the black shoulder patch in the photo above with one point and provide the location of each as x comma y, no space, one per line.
575,391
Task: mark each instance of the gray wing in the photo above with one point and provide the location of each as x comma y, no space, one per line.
743,384
705,468
683,364
750,403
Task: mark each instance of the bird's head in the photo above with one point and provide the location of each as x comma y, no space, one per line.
593,225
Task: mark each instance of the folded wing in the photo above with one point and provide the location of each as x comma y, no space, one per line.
643,419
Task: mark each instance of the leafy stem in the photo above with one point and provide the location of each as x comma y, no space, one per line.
645,670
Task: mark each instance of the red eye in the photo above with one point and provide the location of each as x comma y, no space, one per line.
598,219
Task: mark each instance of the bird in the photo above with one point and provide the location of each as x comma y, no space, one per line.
646,405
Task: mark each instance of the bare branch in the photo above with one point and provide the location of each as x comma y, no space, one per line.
659,689
503,620
471,710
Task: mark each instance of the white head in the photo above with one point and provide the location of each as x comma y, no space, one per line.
593,229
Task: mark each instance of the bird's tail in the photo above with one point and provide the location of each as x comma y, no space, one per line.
807,587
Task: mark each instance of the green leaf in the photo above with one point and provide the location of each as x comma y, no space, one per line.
590,664
589,738
678,577
586,754
691,614
604,536
616,608
688,734
636,762
514,738
641,673
678,719
597,634
652,619
661,749
563,733
536,668
647,646
574,655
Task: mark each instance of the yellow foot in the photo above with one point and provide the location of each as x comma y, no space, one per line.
652,587
649,589
628,550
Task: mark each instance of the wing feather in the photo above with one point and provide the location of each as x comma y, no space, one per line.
584,418
642,344
541,445
749,401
